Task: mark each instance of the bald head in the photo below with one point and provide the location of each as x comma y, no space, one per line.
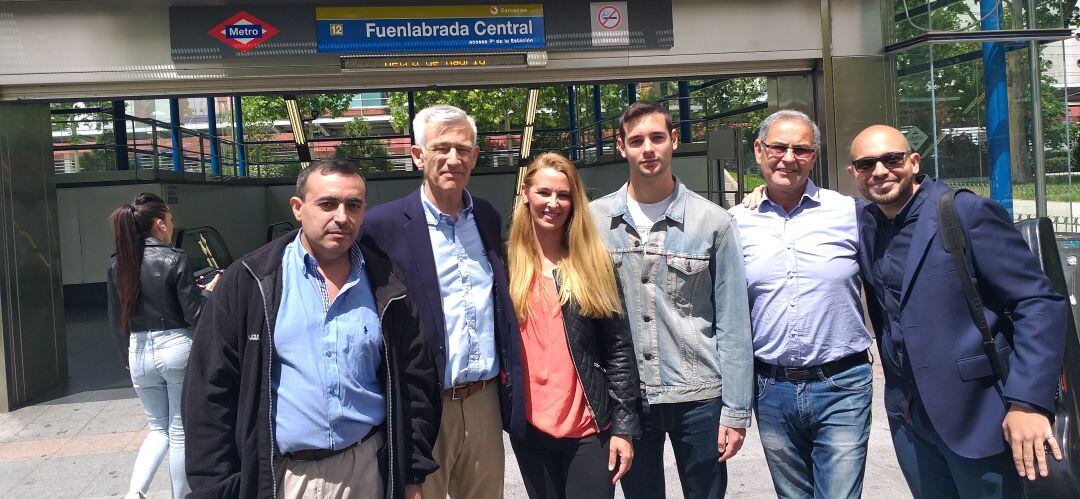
876,140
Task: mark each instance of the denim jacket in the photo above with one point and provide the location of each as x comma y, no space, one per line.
685,291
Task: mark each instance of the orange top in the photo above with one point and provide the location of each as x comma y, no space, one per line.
554,398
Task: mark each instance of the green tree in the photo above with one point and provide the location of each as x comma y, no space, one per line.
370,154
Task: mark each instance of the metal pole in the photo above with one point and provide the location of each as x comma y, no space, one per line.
997,110
571,99
1036,119
174,131
238,135
215,144
119,119
684,111
411,100
598,116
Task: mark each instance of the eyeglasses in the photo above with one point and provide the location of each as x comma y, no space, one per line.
779,150
891,161
444,149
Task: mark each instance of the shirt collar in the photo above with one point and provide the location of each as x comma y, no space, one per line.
311,266
811,193
434,215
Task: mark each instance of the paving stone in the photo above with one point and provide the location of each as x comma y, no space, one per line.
38,430
66,412
30,450
114,423
13,472
96,444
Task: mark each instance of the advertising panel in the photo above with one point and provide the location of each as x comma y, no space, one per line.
447,28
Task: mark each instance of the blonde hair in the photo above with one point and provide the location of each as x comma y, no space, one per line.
586,274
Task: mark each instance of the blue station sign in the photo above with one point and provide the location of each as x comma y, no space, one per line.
447,28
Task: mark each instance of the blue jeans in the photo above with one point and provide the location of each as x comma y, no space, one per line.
158,361
815,432
693,428
933,470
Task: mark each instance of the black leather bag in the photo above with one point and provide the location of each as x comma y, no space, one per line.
1064,479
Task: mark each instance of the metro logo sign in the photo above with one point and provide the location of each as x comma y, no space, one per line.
243,31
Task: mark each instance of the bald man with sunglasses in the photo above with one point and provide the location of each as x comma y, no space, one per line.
957,429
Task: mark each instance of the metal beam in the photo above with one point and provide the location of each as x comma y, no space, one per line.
684,111
598,117
997,109
1035,64
174,132
238,136
215,144
571,99
119,119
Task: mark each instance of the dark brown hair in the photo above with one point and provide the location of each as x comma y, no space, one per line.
325,167
643,108
133,222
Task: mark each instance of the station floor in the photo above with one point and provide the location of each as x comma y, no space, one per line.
81,440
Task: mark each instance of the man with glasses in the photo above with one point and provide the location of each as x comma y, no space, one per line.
814,381
957,429
448,244
677,259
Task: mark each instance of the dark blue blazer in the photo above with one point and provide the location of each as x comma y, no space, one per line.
398,230
952,374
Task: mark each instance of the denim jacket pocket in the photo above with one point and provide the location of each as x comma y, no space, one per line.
686,273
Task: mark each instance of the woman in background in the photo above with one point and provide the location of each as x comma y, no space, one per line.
581,378
153,306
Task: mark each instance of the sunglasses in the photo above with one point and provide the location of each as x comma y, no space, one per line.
779,150
891,161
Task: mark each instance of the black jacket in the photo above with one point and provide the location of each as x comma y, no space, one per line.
227,401
168,297
603,353
399,229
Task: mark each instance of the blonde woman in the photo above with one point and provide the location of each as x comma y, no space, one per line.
581,380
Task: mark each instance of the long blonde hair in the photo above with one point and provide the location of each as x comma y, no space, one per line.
585,275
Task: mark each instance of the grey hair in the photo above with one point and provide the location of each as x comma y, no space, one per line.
786,115
440,113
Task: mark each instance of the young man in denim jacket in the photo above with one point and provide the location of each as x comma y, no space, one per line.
679,261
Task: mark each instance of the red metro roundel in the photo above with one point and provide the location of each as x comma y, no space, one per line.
243,31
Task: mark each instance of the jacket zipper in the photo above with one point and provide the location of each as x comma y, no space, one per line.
389,403
566,332
269,373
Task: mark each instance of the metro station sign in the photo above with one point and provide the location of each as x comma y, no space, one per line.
243,31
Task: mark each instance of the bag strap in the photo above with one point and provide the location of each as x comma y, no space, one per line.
952,237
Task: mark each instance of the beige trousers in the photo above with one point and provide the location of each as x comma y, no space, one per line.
469,449
353,474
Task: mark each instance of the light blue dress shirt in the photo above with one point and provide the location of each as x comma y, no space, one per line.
465,285
326,354
803,280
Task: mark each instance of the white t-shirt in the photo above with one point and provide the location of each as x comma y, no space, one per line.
646,214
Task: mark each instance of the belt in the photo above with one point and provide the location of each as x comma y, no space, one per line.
813,372
465,390
320,454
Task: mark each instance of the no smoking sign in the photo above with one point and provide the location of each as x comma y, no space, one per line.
609,24
609,17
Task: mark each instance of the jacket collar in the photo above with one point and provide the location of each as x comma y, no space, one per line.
676,212
266,260
153,241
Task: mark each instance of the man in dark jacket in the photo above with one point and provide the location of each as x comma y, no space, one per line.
958,430
308,371
448,244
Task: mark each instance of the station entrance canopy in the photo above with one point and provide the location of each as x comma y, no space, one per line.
164,47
